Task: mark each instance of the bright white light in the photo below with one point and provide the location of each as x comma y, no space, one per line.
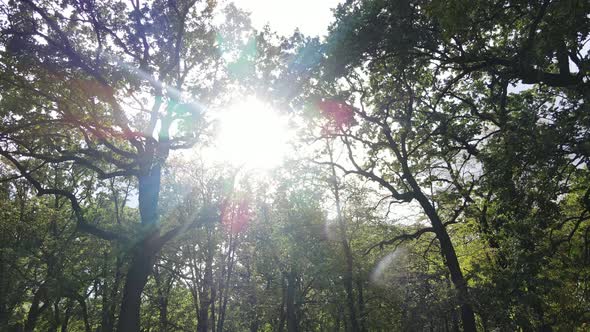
312,17
252,135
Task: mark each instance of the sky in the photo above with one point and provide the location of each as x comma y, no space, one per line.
312,17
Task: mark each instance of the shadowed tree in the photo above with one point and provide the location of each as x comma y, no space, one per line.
112,88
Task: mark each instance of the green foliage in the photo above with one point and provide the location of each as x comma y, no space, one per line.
445,185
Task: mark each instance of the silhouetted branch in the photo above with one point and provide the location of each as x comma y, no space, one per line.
400,238
82,224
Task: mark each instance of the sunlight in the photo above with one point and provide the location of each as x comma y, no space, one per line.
251,134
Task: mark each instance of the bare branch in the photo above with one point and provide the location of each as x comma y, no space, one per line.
400,238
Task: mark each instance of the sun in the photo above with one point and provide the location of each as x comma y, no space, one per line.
251,134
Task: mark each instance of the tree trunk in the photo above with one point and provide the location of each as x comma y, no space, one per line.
224,298
137,276
162,300
104,291
447,249
452,263
110,323
4,313
348,274
56,317
205,298
252,301
35,310
361,302
213,316
143,257
348,282
292,324
338,319
67,315
82,301
282,315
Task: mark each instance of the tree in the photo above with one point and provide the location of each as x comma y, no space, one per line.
79,76
405,152
430,90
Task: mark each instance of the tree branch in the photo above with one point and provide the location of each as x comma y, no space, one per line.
82,224
400,238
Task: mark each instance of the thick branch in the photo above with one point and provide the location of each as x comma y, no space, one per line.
82,224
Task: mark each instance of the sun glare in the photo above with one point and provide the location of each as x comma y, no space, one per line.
251,134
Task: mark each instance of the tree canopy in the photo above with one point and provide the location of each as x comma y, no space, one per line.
436,179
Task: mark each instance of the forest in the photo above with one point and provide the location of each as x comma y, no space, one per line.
421,167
